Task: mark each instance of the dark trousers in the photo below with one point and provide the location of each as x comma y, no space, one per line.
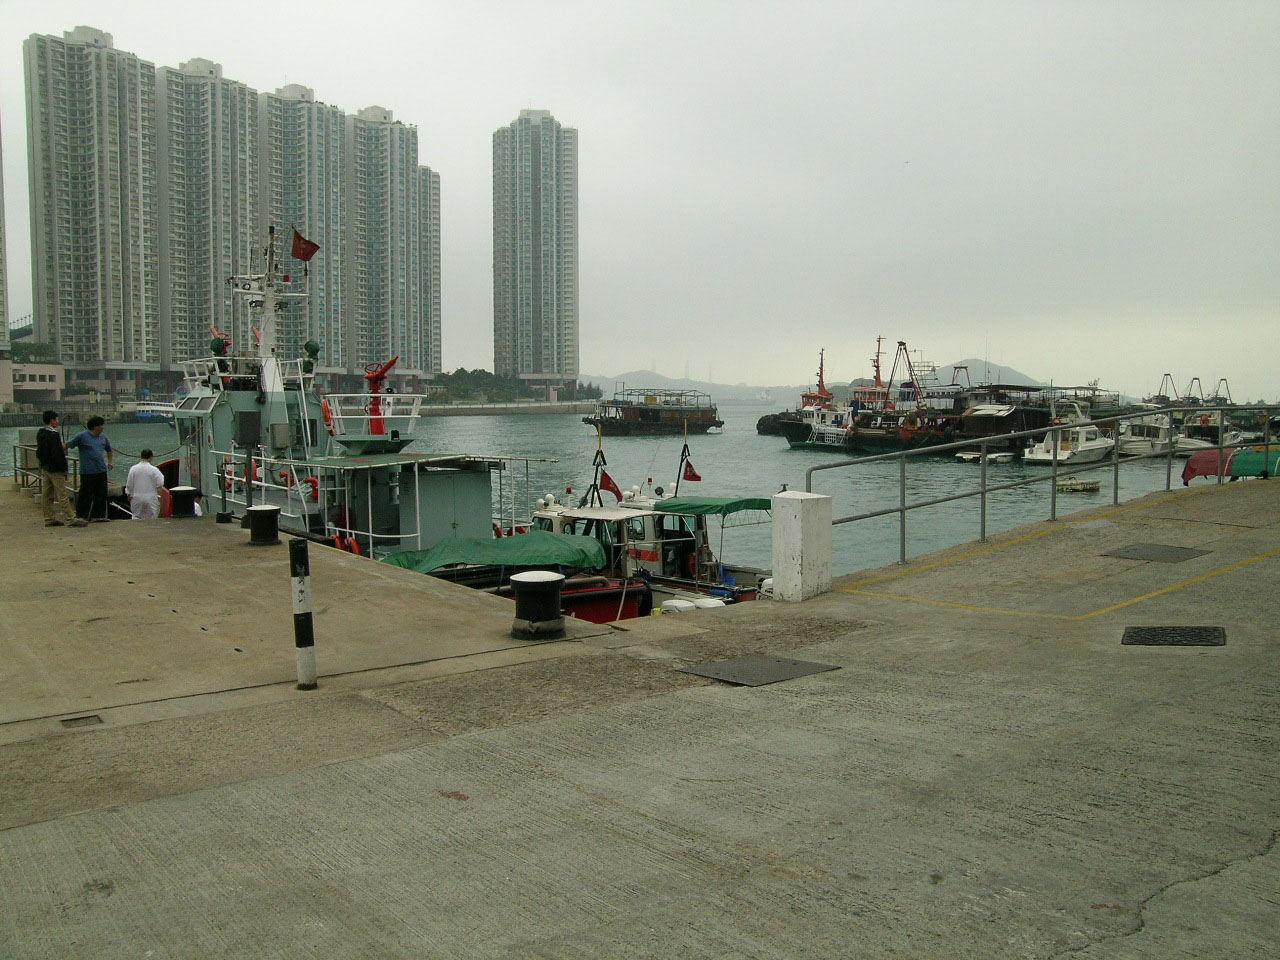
91,498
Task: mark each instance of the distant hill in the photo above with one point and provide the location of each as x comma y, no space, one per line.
983,371
788,395
785,396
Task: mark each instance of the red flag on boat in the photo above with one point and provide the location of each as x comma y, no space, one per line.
689,472
606,483
303,249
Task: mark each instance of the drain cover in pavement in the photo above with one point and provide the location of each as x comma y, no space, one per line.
1155,551
755,670
1175,636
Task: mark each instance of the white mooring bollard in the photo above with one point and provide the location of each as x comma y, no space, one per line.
801,545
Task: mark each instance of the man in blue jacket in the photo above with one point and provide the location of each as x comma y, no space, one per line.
96,458
52,454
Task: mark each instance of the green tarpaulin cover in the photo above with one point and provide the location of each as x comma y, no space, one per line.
711,506
537,548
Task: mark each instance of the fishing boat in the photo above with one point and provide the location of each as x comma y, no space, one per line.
1073,439
873,421
254,432
644,412
488,563
795,423
659,536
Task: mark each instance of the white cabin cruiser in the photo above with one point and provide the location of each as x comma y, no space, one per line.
1146,436
1073,439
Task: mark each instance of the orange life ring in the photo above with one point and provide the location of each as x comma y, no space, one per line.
1204,420
352,546
228,471
691,566
328,416
497,531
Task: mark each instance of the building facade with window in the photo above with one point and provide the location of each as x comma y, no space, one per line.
535,249
150,189
93,180
208,138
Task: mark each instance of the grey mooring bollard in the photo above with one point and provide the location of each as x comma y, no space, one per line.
304,637
537,605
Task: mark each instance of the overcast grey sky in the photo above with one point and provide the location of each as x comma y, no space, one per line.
1075,189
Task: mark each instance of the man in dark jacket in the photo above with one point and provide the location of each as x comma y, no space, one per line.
52,454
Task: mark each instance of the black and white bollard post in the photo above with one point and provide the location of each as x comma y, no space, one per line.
304,637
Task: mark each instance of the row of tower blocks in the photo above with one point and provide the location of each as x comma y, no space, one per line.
150,187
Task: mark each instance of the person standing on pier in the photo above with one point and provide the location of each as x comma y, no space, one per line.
52,454
96,459
142,487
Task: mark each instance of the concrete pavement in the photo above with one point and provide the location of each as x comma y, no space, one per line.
991,773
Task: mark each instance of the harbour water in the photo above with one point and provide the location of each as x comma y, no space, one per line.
737,461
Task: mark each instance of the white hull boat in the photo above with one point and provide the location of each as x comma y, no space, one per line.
1146,436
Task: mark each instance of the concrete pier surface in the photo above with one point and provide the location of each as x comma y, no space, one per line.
989,773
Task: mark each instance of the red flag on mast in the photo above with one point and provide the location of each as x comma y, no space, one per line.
303,249
689,472
606,483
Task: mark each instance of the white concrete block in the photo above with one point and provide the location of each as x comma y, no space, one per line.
801,545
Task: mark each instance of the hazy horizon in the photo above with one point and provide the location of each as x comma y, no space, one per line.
1083,191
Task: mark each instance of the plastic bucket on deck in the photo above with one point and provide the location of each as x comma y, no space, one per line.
538,614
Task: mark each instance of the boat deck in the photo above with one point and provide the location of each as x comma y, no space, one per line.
991,772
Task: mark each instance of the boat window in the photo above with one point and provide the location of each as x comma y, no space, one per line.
542,523
676,527
635,528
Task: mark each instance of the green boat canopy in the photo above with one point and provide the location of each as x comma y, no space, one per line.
537,548
711,506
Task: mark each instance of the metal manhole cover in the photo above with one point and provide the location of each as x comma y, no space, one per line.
1175,636
1158,552
755,669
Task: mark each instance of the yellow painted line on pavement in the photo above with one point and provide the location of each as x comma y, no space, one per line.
1061,616
1178,586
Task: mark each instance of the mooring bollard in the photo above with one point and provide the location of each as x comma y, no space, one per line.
264,525
184,501
537,605
304,637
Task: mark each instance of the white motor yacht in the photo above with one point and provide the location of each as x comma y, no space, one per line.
1073,439
1146,436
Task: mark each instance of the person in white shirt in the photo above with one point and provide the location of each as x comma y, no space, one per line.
142,487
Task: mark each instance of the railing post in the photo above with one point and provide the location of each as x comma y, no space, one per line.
902,508
1053,477
304,637
1115,464
982,495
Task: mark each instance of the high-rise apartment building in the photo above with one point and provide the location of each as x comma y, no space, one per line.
303,146
392,293
150,189
4,283
535,249
93,178
209,229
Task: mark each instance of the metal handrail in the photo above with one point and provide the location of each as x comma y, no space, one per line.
984,444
